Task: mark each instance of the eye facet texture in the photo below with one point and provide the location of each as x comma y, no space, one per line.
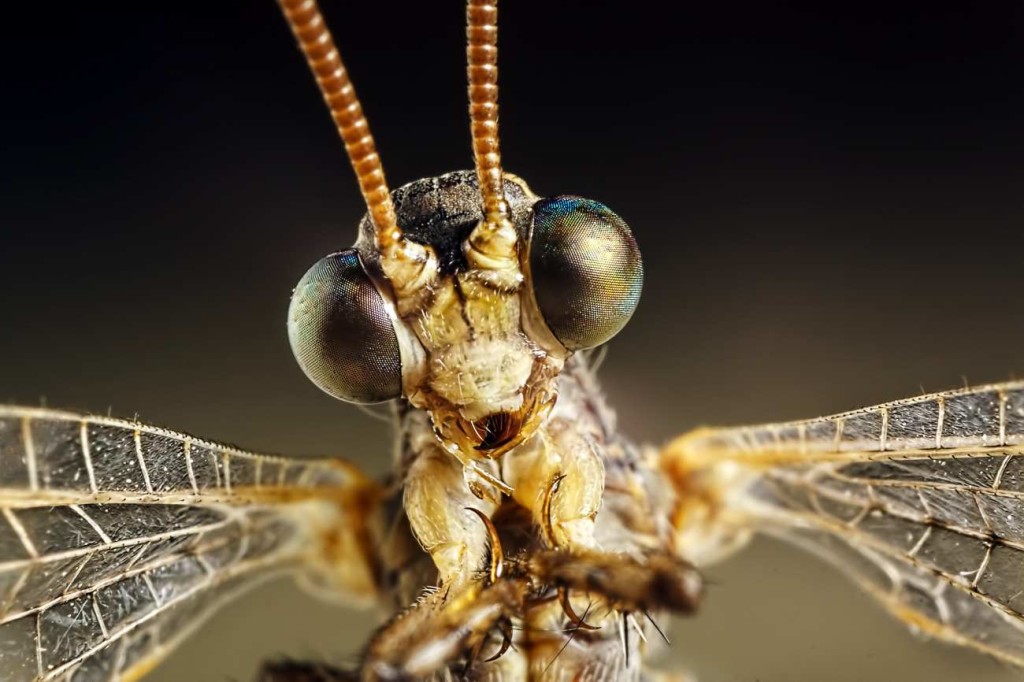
341,333
586,270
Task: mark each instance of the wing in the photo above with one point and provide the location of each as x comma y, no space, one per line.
117,539
920,500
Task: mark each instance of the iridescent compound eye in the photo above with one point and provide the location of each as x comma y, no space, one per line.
586,270
341,333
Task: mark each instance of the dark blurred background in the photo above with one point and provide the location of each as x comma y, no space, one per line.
828,197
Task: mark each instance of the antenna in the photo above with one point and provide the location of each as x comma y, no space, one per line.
492,244
482,70
316,43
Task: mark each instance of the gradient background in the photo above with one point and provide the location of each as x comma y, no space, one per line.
829,201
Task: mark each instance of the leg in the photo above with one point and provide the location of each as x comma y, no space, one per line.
609,637
471,630
436,501
467,630
660,581
559,477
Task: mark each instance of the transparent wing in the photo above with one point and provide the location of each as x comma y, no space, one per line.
921,501
117,539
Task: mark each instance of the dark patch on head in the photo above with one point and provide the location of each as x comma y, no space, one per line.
441,212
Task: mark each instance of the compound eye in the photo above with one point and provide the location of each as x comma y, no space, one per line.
341,333
586,270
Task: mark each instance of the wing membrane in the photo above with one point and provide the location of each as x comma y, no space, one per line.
920,500
46,455
117,539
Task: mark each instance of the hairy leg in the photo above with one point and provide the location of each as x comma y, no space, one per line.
559,477
458,631
604,634
514,626
436,501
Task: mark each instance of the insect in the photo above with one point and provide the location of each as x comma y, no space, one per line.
847,401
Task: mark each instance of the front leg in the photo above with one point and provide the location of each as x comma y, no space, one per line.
448,634
559,476
608,639
436,499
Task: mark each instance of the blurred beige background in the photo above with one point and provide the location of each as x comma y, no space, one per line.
828,202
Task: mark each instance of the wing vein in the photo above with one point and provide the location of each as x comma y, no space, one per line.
188,464
39,645
31,463
137,438
92,522
939,421
99,616
87,456
22,534
84,551
177,599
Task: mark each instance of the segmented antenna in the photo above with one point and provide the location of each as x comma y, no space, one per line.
491,246
318,46
482,69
